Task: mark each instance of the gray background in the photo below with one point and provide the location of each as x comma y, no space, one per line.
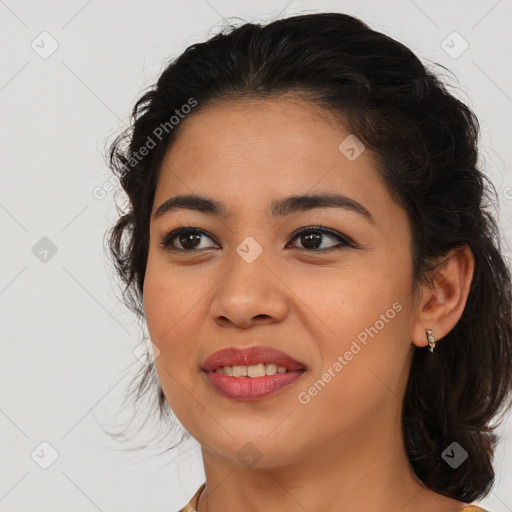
67,344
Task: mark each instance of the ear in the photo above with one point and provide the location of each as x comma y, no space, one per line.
442,302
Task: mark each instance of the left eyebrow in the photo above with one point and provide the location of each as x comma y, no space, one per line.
278,208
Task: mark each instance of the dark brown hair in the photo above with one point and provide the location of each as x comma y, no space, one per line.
426,144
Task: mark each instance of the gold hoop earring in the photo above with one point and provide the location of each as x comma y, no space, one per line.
431,339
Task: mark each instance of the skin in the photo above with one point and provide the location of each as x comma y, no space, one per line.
343,449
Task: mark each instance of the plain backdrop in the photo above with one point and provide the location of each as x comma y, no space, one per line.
70,73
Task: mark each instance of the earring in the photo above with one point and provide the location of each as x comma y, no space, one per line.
431,339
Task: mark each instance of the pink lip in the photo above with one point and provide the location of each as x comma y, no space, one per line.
249,388
247,356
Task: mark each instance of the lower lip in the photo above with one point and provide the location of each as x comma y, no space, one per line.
252,388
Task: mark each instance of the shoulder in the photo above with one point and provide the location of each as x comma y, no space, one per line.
190,506
473,508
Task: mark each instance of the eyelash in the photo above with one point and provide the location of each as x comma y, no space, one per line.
344,240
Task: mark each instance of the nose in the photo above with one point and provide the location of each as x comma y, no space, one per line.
249,294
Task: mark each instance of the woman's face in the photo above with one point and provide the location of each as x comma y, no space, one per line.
345,312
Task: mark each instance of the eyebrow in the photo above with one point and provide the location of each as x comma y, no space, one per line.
278,208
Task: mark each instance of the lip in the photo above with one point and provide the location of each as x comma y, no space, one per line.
249,388
248,356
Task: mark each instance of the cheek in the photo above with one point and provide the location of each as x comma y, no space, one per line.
364,318
348,302
172,306
167,317
165,300
156,308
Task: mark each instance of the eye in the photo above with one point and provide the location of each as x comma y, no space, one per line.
189,238
311,237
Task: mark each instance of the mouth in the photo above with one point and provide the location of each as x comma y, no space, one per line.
251,373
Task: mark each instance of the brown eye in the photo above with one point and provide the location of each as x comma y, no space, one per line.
312,238
188,239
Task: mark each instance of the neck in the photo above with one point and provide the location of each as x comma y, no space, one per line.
365,470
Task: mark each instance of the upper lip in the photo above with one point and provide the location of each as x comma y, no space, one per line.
248,356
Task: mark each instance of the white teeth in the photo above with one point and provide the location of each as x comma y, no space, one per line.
254,370
270,369
239,371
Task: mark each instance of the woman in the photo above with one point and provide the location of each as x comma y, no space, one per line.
308,244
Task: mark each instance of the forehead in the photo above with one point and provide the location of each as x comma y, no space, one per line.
284,123
249,152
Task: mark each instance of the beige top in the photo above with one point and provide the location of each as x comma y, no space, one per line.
192,504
